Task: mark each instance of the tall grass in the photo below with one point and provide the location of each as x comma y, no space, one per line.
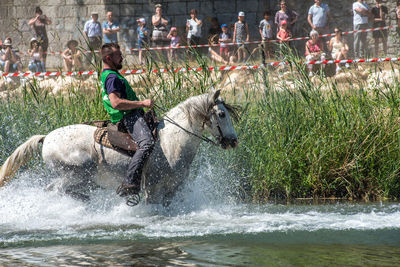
308,143
300,142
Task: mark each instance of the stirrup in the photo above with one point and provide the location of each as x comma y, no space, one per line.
133,200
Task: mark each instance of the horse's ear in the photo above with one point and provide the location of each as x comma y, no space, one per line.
216,95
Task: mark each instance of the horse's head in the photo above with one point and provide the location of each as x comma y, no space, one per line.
220,122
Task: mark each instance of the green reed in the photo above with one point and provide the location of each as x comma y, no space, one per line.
309,143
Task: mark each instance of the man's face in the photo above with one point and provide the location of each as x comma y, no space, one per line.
318,2
225,29
109,16
95,17
116,59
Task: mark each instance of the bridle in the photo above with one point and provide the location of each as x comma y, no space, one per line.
210,116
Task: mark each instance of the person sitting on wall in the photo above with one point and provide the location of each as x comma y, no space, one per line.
339,48
9,60
314,50
72,56
36,64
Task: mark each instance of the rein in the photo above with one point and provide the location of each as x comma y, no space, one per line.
168,119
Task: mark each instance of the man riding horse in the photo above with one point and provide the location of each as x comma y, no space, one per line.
123,106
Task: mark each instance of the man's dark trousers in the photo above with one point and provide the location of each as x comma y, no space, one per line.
141,134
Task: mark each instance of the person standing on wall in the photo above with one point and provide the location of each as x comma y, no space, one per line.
360,21
38,23
398,17
93,33
286,14
267,35
379,12
160,31
110,29
240,36
193,28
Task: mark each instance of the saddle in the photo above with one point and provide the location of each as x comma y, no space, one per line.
116,136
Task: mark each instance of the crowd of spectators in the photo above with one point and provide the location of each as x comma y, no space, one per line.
160,33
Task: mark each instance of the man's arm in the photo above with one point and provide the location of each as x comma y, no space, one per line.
309,19
124,104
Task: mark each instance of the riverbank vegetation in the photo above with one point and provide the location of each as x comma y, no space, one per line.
300,137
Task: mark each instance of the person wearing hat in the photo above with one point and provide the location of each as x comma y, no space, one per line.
93,33
36,64
143,38
9,60
72,56
241,35
38,23
110,29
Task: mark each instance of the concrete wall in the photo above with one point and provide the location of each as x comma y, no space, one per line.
69,16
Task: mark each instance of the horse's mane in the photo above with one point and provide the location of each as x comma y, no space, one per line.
197,108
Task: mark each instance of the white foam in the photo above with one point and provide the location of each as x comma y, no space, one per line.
25,206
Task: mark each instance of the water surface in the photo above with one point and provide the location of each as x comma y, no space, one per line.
41,228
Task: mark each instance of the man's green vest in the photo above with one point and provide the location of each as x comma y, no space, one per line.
116,115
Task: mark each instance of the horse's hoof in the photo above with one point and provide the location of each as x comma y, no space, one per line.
133,200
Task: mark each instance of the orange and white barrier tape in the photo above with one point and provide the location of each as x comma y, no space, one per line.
223,68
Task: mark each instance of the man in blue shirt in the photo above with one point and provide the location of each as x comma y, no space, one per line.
92,30
361,13
110,29
319,16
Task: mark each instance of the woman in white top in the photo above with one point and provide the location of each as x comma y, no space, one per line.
338,47
193,28
36,64
160,32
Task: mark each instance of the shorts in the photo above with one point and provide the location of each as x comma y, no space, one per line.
334,55
13,67
318,57
267,44
224,50
142,44
380,34
239,43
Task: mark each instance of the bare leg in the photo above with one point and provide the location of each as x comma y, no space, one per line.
140,56
67,65
7,66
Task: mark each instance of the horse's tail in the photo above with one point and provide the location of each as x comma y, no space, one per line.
20,156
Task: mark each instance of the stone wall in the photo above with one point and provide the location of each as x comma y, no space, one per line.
69,16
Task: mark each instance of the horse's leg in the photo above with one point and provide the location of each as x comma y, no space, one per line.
75,181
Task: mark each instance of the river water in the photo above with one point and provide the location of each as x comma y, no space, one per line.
201,228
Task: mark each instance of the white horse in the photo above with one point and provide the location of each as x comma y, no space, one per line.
82,162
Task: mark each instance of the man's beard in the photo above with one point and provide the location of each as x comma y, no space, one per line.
118,66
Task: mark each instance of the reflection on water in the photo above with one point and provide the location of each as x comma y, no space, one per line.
202,253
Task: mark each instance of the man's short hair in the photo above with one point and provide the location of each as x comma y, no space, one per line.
107,50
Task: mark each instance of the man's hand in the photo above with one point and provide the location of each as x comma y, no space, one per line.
148,103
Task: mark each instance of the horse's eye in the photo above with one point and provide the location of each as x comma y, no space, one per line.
221,114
